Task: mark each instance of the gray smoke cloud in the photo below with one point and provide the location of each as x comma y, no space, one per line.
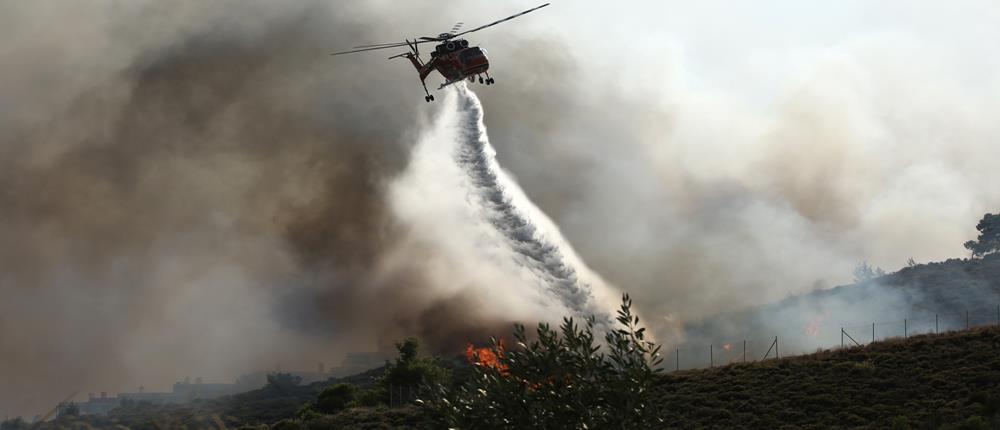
196,188
168,173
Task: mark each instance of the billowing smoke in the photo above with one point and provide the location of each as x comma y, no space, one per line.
210,194
168,174
196,188
471,254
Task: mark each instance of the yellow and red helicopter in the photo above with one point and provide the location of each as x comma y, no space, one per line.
453,58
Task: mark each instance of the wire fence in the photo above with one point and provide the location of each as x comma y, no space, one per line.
402,395
815,337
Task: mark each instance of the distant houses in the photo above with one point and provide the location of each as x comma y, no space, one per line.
187,391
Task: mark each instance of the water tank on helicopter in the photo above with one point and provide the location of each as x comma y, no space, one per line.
474,60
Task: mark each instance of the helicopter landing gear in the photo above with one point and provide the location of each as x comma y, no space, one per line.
489,80
429,98
480,79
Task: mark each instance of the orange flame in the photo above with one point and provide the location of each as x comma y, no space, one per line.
727,346
487,356
812,328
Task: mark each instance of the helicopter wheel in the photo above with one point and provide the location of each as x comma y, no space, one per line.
429,98
491,81
480,79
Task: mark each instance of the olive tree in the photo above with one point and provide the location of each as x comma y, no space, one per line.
564,378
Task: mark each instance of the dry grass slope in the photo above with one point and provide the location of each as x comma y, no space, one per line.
951,380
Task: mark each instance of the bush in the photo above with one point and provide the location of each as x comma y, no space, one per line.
411,370
336,398
560,380
410,373
282,382
287,425
16,423
372,397
971,423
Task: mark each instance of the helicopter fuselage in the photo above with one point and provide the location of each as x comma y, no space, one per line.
456,60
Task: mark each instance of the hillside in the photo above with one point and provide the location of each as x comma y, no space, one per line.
947,295
945,381
924,381
928,381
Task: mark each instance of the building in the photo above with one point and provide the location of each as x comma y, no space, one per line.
186,391
183,392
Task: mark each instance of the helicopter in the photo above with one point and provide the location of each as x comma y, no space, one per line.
452,57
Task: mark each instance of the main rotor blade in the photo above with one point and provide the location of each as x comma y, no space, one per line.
502,20
375,48
368,49
376,44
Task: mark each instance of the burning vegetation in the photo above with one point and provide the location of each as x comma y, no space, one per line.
564,378
487,356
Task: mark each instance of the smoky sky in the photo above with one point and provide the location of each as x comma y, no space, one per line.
199,178
193,188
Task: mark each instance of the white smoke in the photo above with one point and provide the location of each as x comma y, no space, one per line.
488,235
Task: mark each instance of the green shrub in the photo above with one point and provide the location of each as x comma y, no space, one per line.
16,423
287,425
371,397
281,383
972,423
336,398
412,370
901,423
561,380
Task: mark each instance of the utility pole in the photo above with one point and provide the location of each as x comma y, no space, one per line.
677,361
935,323
745,344
904,329
841,338
873,332
711,356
